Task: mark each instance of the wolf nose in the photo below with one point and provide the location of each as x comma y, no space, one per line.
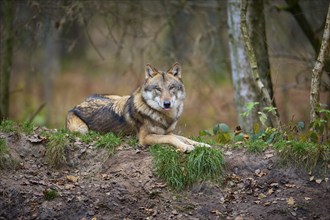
167,104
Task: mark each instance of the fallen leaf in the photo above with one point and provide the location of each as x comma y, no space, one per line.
270,191
238,218
267,156
105,176
267,204
307,198
260,173
216,212
257,202
69,186
274,184
72,178
35,139
290,185
261,196
311,178
318,181
290,201
326,179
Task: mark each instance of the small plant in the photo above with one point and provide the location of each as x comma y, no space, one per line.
50,194
182,170
108,141
56,148
27,127
250,106
7,126
320,127
220,134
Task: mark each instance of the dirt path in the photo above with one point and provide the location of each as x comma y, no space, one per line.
96,186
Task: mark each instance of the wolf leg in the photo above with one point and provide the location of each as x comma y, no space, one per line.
192,142
171,139
74,123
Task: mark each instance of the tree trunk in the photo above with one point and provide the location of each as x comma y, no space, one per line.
318,69
244,91
6,61
257,32
254,66
51,62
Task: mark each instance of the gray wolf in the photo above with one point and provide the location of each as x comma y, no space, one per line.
151,112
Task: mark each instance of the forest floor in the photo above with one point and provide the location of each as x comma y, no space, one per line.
95,185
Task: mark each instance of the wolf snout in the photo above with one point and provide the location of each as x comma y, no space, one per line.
167,105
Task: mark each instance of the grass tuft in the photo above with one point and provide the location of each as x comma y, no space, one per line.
50,194
108,141
7,126
89,137
27,127
56,148
256,146
182,170
304,154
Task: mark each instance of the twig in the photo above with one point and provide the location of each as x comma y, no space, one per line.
90,40
37,112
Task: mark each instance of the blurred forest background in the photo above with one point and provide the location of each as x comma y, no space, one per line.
64,51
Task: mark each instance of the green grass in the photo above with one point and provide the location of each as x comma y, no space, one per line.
89,137
50,194
56,148
27,127
303,154
12,126
180,170
7,126
109,142
256,146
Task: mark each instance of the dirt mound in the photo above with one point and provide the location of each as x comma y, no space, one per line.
123,186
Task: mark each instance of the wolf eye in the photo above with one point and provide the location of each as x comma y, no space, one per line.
171,87
158,89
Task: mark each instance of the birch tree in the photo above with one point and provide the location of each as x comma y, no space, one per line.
244,91
318,70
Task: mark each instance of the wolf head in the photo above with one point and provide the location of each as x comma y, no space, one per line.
163,91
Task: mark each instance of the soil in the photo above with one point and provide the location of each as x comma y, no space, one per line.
95,185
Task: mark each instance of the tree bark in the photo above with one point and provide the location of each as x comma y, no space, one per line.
318,69
254,66
244,91
7,45
257,32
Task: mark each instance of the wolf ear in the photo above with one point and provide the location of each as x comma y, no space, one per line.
150,71
175,70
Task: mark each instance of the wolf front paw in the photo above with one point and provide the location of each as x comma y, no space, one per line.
204,145
186,148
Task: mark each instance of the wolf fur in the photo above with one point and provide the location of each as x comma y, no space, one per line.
151,112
